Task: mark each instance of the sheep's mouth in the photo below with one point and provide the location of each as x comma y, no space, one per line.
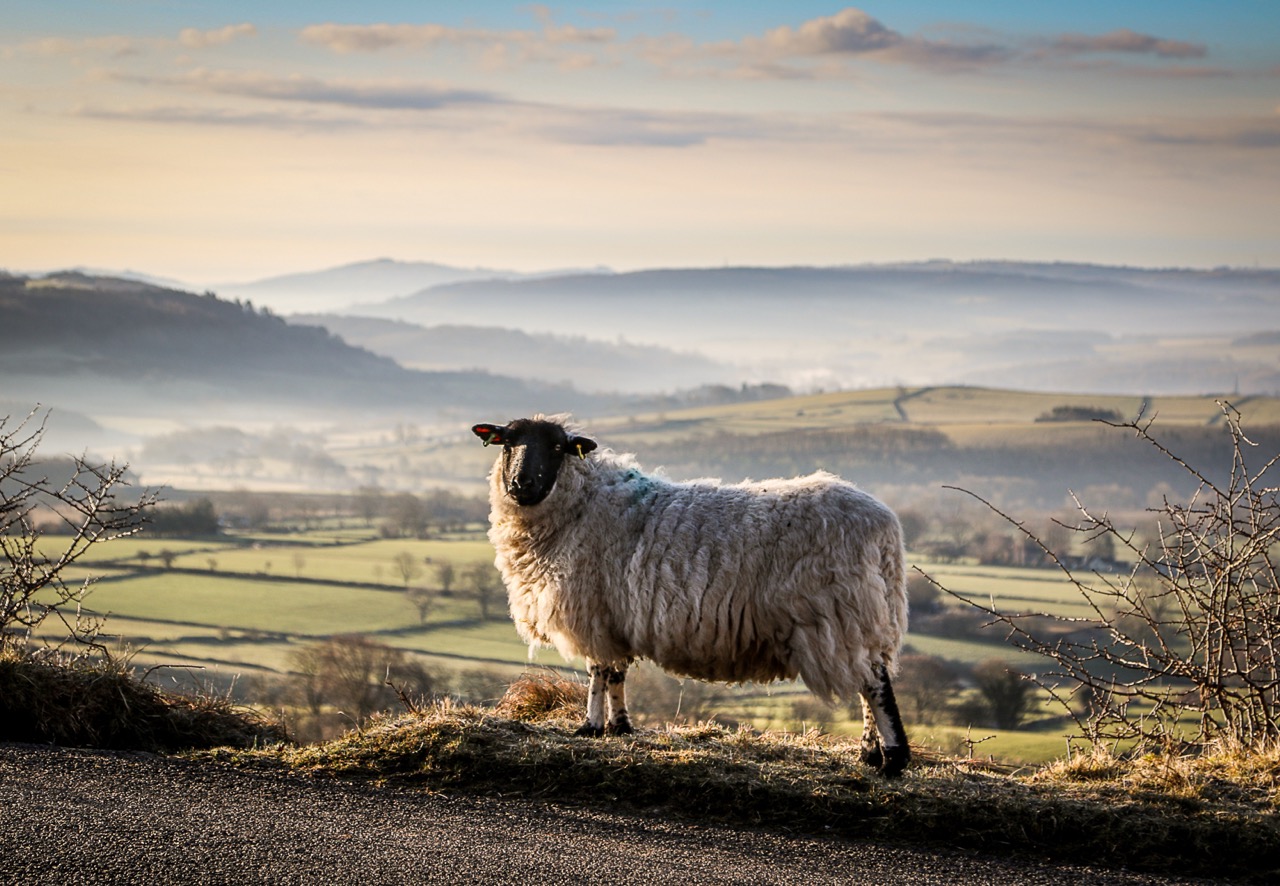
526,497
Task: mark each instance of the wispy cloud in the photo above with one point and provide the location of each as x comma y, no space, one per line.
1126,41
376,37
848,32
193,38
217,117
114,46
842,43
566,46
825,46
120,46
377,95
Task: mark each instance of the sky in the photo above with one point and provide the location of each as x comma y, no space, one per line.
231,141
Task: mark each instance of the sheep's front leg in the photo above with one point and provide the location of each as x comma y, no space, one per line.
615,678
594,727
607,689
884,741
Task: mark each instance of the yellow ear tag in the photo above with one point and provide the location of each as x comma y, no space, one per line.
580,454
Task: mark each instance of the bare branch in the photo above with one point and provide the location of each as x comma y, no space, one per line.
1185,645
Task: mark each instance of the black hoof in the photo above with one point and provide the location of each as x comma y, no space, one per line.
586,730
871,756
621,727
895,760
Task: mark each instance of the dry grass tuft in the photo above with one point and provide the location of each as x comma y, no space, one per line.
1227,779
542,695
89,703
1099,812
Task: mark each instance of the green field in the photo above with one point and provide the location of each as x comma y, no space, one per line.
249,614
244,603
935,407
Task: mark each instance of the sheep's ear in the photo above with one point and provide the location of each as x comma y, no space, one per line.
581,445
490,433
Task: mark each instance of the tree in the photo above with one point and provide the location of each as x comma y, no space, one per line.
407,566
485,584
913,525
357,675
1006,691
195,518
1183,648
445,575
922,594
424,600
406,516
368,503
926,683
86,507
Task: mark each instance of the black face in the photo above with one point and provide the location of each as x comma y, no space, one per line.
532,453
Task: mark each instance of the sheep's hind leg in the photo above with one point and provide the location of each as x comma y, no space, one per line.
616,680
884,741
594,727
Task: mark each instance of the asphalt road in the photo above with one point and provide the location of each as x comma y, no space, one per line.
94,817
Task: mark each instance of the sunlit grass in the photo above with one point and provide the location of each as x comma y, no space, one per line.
1108,815
270,606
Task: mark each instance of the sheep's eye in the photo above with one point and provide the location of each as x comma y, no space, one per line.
559,448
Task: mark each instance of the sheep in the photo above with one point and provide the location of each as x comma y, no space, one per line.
757,581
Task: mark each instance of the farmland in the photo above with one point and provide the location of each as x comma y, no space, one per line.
238,609
235,609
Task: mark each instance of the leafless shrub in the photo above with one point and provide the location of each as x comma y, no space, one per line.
85,508
357,675
1183,645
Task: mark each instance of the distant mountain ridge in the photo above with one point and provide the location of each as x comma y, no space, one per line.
1046,325
347,286
589,365
73,339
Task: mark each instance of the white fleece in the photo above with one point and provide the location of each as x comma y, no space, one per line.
750,582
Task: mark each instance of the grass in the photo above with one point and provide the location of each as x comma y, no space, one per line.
1042,590
1209,817
941,406
262,605
232,621
86,703
1212,816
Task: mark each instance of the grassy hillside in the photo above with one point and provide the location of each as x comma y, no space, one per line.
1212,817
164,351
905,443
246,603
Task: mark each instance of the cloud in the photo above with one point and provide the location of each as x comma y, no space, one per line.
174,114
120,46
848,32
374,95
565,45
1126,41
619,127
825,46
193,38
114,46
372,38
835,45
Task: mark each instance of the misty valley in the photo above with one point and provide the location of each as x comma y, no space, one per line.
319,486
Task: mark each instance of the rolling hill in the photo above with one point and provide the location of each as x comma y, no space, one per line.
1042,326
344,287
126,348
587,364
